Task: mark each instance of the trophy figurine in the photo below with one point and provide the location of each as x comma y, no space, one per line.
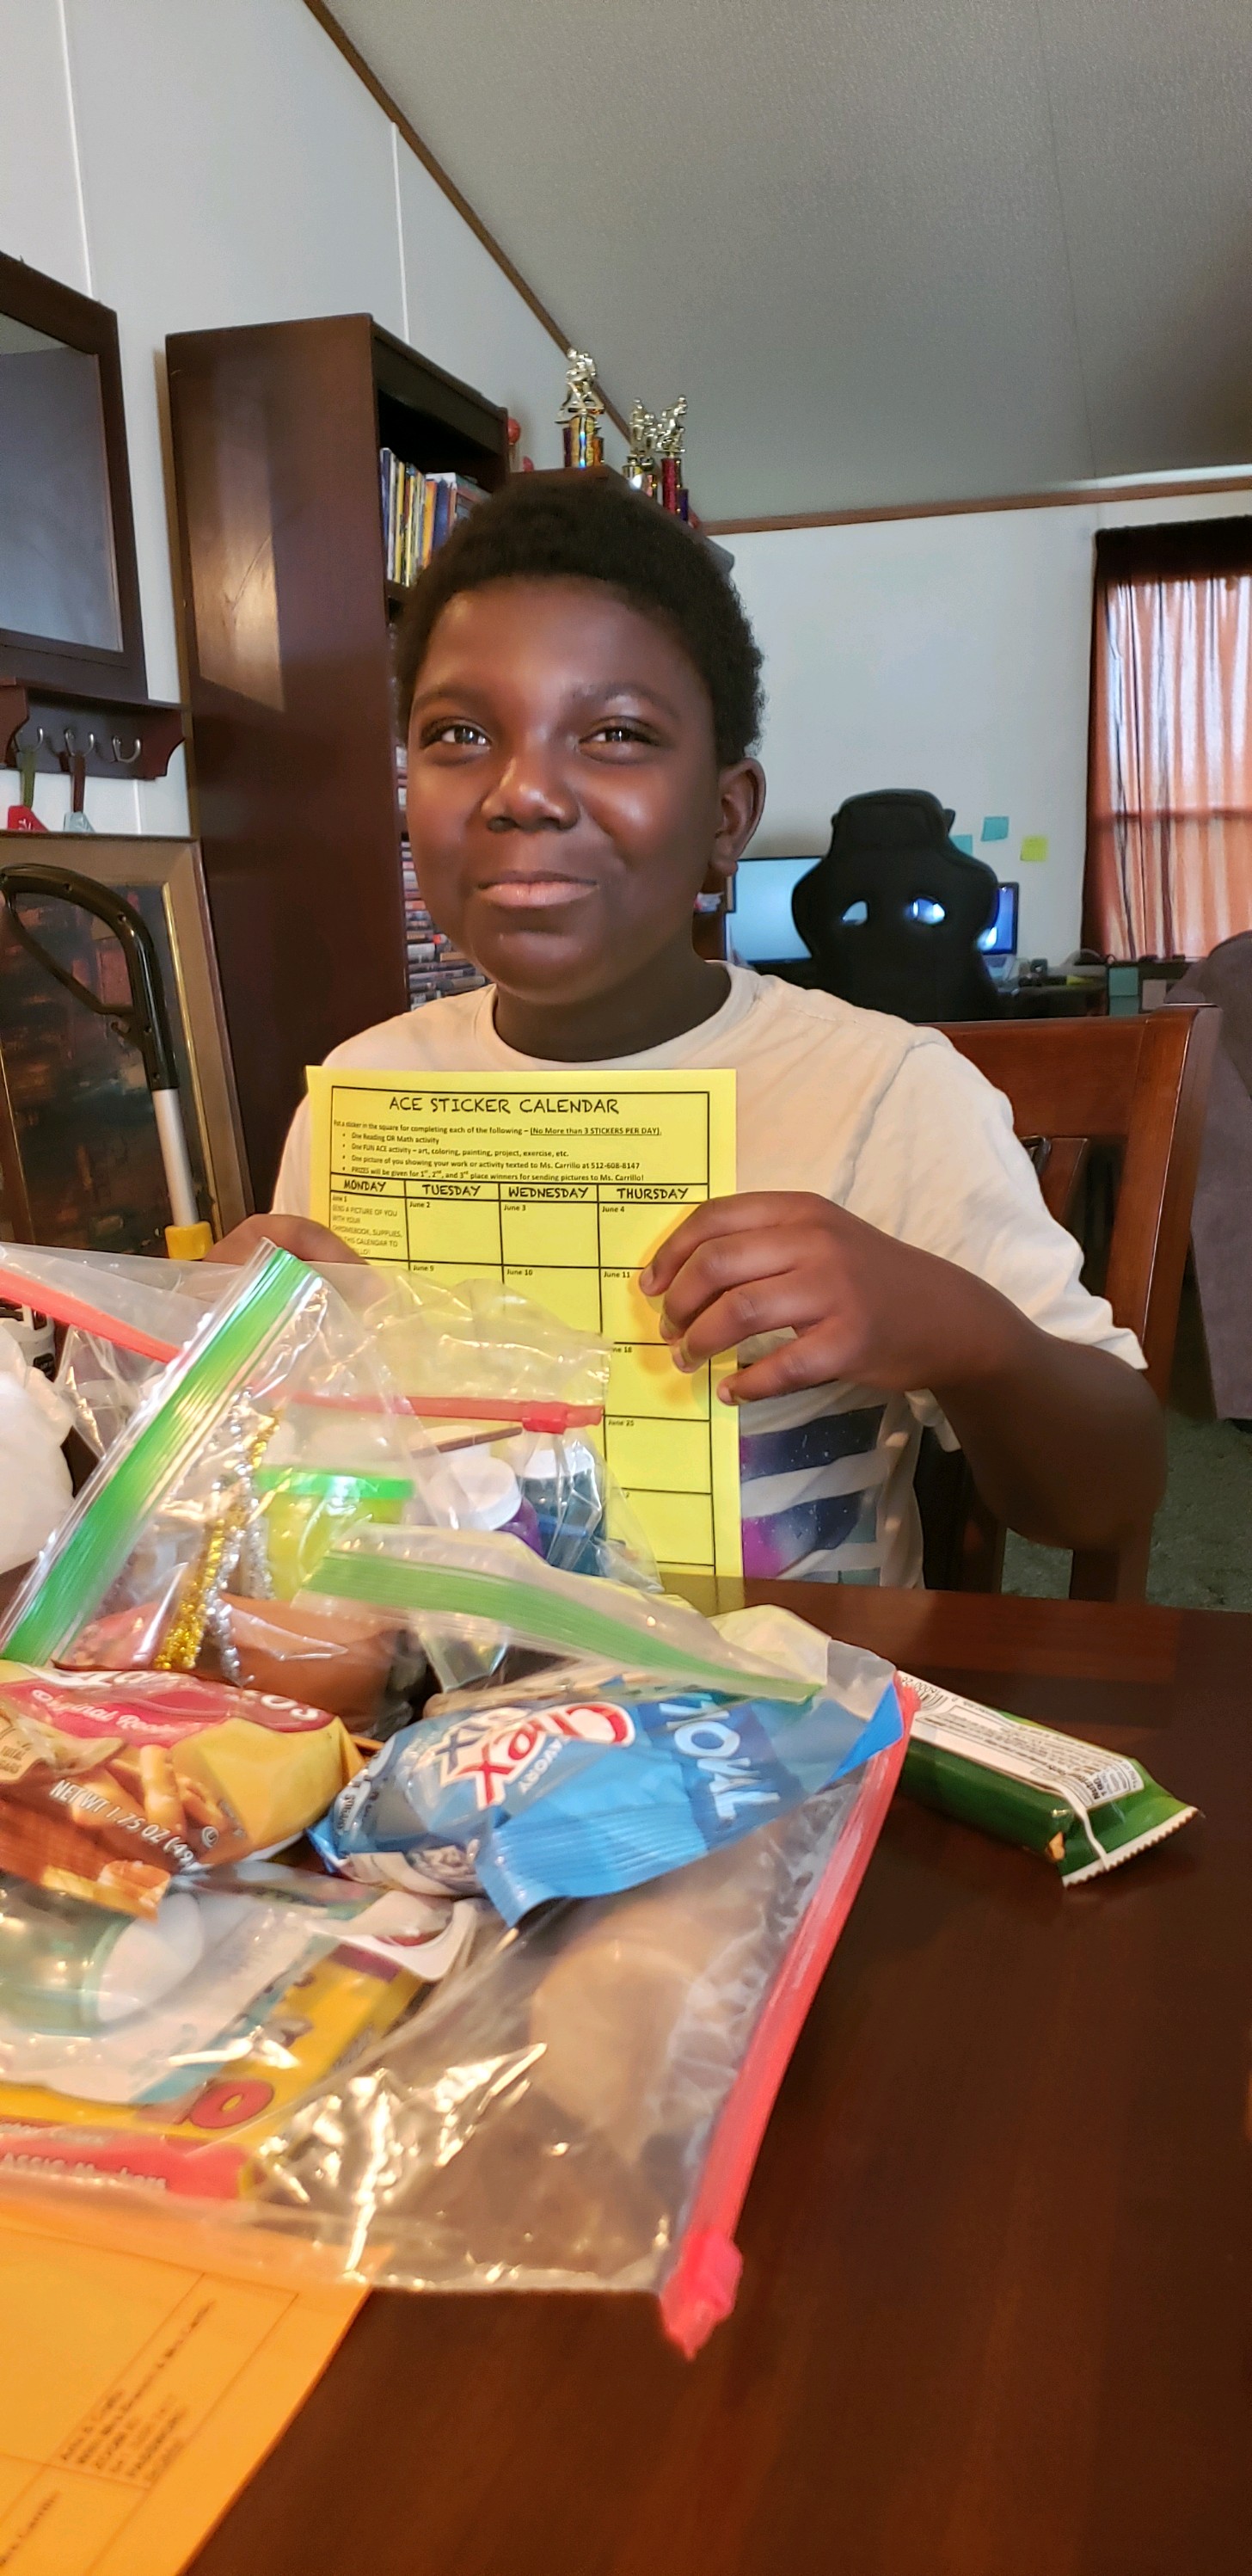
642,467
581,412
670,433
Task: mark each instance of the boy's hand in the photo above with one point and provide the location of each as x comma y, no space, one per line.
862,1306
312,1243
1066,1444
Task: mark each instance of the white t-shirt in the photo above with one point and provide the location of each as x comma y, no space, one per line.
886,1120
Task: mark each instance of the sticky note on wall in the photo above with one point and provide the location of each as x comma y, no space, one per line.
963,841
1034,847
995,827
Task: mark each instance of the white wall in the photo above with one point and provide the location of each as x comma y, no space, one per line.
951,654
198,163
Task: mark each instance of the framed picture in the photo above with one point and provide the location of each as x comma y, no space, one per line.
80,1161
69,587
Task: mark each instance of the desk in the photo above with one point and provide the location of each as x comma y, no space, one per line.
1053,1001
996,2310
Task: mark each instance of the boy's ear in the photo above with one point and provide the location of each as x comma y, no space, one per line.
741,795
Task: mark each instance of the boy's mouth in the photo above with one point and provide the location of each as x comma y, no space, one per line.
533,894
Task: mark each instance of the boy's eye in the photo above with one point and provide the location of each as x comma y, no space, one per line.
622,729
456,730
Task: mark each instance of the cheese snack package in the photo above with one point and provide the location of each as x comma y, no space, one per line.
1072,1803
112,1784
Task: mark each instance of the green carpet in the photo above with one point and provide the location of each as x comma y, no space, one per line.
1202,1543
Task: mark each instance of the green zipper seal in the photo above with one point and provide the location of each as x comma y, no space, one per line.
100,1540
543,1617
340,1484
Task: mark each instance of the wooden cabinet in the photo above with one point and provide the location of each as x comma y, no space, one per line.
287,617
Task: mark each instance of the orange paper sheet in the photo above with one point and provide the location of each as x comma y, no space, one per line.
144,2374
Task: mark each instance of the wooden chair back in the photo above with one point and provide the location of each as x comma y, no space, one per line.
1142,1083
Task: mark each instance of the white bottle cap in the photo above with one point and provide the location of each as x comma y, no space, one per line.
491,1490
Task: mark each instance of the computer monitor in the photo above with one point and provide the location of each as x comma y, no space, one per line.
1000,937
762,930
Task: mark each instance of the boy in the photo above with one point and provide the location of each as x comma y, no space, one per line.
582,693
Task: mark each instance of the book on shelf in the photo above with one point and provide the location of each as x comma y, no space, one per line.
419,511
434,965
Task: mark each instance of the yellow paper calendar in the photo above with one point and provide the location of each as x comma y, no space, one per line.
561,1188
145,2371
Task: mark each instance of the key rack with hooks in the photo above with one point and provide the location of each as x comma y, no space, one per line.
121,741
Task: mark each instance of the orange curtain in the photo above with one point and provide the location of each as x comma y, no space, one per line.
1169,844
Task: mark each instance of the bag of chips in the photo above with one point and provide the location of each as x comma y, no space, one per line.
113,1784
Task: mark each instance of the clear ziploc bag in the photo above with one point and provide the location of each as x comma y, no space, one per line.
208,1511
581,2106
123,1318
483,1365
165,2052
655,1742
577,2105
514,1397
472,1595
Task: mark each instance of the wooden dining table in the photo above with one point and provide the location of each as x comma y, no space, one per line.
996,2309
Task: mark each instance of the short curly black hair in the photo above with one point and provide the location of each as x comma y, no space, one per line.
591,527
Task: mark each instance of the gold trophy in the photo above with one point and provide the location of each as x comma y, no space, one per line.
670,433
642,467
581,412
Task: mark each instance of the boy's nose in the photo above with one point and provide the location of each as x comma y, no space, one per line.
530,795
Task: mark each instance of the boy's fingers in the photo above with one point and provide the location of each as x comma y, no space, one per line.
776,1305
733,1261
298,1234
749,1211
812,1359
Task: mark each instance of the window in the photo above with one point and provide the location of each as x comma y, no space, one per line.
1169,843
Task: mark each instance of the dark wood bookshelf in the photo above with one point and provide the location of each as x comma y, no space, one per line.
288,620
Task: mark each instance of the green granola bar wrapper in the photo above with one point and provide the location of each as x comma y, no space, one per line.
1072,1803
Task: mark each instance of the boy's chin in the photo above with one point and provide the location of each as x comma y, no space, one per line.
543,970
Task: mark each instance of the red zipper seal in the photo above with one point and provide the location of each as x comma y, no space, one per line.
701,2288
537,1414
63,1308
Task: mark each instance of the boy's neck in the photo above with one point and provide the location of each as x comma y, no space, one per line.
675,992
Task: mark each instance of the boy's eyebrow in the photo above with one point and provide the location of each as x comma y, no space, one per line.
594,693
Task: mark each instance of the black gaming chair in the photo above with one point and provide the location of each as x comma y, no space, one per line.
862,912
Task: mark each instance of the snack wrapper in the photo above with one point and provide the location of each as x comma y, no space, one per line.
110,1786
200,2133
1070,1802
589,1775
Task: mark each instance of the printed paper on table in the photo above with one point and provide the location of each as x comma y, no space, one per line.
562,1188
143,2378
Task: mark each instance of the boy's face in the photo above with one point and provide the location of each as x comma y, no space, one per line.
565,802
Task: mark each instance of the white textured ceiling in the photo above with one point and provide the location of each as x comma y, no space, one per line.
891,250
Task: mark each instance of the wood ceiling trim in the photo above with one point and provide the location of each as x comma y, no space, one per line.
382,97
1076,494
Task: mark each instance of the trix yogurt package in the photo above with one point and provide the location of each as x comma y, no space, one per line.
589,1775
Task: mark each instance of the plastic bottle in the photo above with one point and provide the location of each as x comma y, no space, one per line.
564,1487
490,1496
